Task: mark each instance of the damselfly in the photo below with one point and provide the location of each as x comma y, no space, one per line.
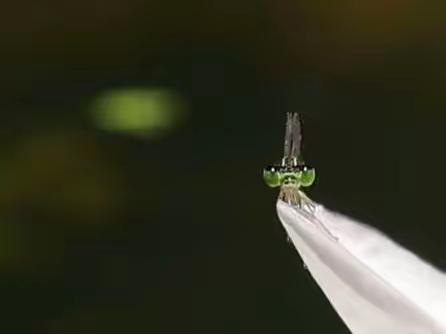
292,172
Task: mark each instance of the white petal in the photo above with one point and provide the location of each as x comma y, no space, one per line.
375,285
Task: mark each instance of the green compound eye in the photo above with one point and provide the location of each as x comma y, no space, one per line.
308,176
272,177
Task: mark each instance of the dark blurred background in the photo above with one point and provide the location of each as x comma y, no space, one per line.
133,138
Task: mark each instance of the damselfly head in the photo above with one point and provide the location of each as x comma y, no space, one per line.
276,176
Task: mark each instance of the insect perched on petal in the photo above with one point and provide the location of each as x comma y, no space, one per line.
291,173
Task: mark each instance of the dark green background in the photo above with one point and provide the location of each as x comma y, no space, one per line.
110,233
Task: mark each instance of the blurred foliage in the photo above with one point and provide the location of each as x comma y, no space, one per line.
138,111
63,175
